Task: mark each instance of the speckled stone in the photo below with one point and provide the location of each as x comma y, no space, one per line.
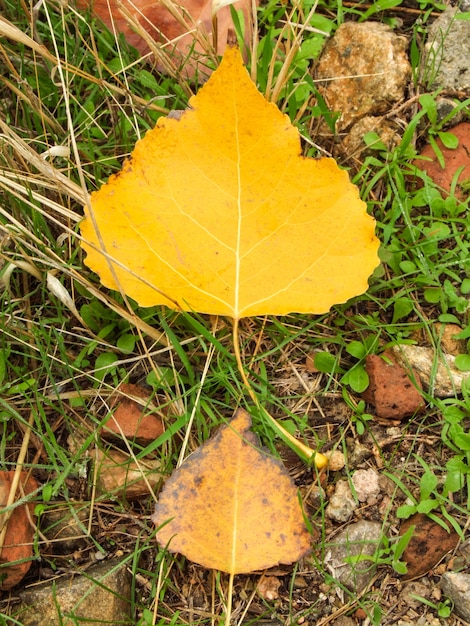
100,597
365,70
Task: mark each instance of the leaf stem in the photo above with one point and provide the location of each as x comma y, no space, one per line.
304,451
228,607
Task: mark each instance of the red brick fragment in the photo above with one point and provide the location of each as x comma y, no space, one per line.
130,419
394,392
454,158
429,543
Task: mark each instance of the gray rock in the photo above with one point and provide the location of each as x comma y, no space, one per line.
100,597
456,587
358,454
444,107
361,538
342,503
447,62
436,371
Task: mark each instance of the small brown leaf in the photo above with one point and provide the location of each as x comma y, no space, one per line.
17,551
181,27
457,162
231,506
394,391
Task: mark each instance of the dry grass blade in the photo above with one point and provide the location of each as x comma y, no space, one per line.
32,179
52,177
10,31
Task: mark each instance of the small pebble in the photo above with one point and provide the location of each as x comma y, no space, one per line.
366,484
342,503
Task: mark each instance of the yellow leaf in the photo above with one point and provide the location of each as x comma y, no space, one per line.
231,506
218,212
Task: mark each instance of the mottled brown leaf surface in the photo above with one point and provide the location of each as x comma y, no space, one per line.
231,506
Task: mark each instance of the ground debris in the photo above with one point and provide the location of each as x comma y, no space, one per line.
119,475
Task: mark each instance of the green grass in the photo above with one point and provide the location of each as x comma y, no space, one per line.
69,115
